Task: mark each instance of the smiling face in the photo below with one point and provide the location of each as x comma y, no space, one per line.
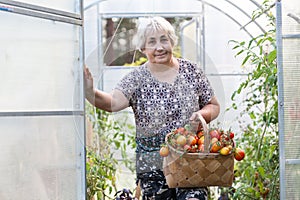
158,48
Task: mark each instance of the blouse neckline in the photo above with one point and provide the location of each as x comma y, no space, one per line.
148,72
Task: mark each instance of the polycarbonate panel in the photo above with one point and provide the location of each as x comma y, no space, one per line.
188,40
90,32
72,6
224,87
147,7
41,158
218,31
291,17
290,173
112,75
292,182
39,64
291,74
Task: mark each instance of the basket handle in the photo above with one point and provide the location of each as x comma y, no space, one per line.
205,133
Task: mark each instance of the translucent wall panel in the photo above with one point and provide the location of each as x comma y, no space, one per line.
131,7
292,182
291,74
224,87
42,105
91,31
41,158
72,6
291,17
189,45
219,30
291,55
39,62
112,75
289,80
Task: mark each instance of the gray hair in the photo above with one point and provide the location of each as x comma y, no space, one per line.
153,24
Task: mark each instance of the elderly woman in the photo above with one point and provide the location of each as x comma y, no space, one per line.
165,93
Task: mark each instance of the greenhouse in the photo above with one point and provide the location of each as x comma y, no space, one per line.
56,145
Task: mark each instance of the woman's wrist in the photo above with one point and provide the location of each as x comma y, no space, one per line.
90,95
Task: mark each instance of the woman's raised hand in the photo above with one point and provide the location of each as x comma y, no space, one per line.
88,83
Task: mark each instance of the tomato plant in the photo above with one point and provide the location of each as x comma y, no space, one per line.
257,177
101,164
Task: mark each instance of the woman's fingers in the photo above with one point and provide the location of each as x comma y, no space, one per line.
87,73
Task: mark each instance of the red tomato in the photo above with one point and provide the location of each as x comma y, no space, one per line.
231,135
215,147
164,151
200,133
239,154
214,134
191,140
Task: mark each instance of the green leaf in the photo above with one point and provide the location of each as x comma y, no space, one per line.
261,171
241,51
246,59
252,115
271,56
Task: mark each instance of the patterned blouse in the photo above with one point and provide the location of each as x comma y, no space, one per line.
160,107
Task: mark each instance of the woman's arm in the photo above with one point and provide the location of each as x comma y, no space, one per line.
209,112
111,102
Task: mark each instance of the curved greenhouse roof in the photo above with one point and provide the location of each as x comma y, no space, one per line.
240,12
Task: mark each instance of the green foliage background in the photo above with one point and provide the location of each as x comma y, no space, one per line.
110,135
257,176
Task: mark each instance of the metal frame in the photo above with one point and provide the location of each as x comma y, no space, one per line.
280,98
40,113
279,39
40,12
291,36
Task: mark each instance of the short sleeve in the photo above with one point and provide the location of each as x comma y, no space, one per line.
129,83
205,89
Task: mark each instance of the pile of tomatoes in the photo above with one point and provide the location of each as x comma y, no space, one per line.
185,140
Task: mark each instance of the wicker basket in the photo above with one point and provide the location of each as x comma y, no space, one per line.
185,170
